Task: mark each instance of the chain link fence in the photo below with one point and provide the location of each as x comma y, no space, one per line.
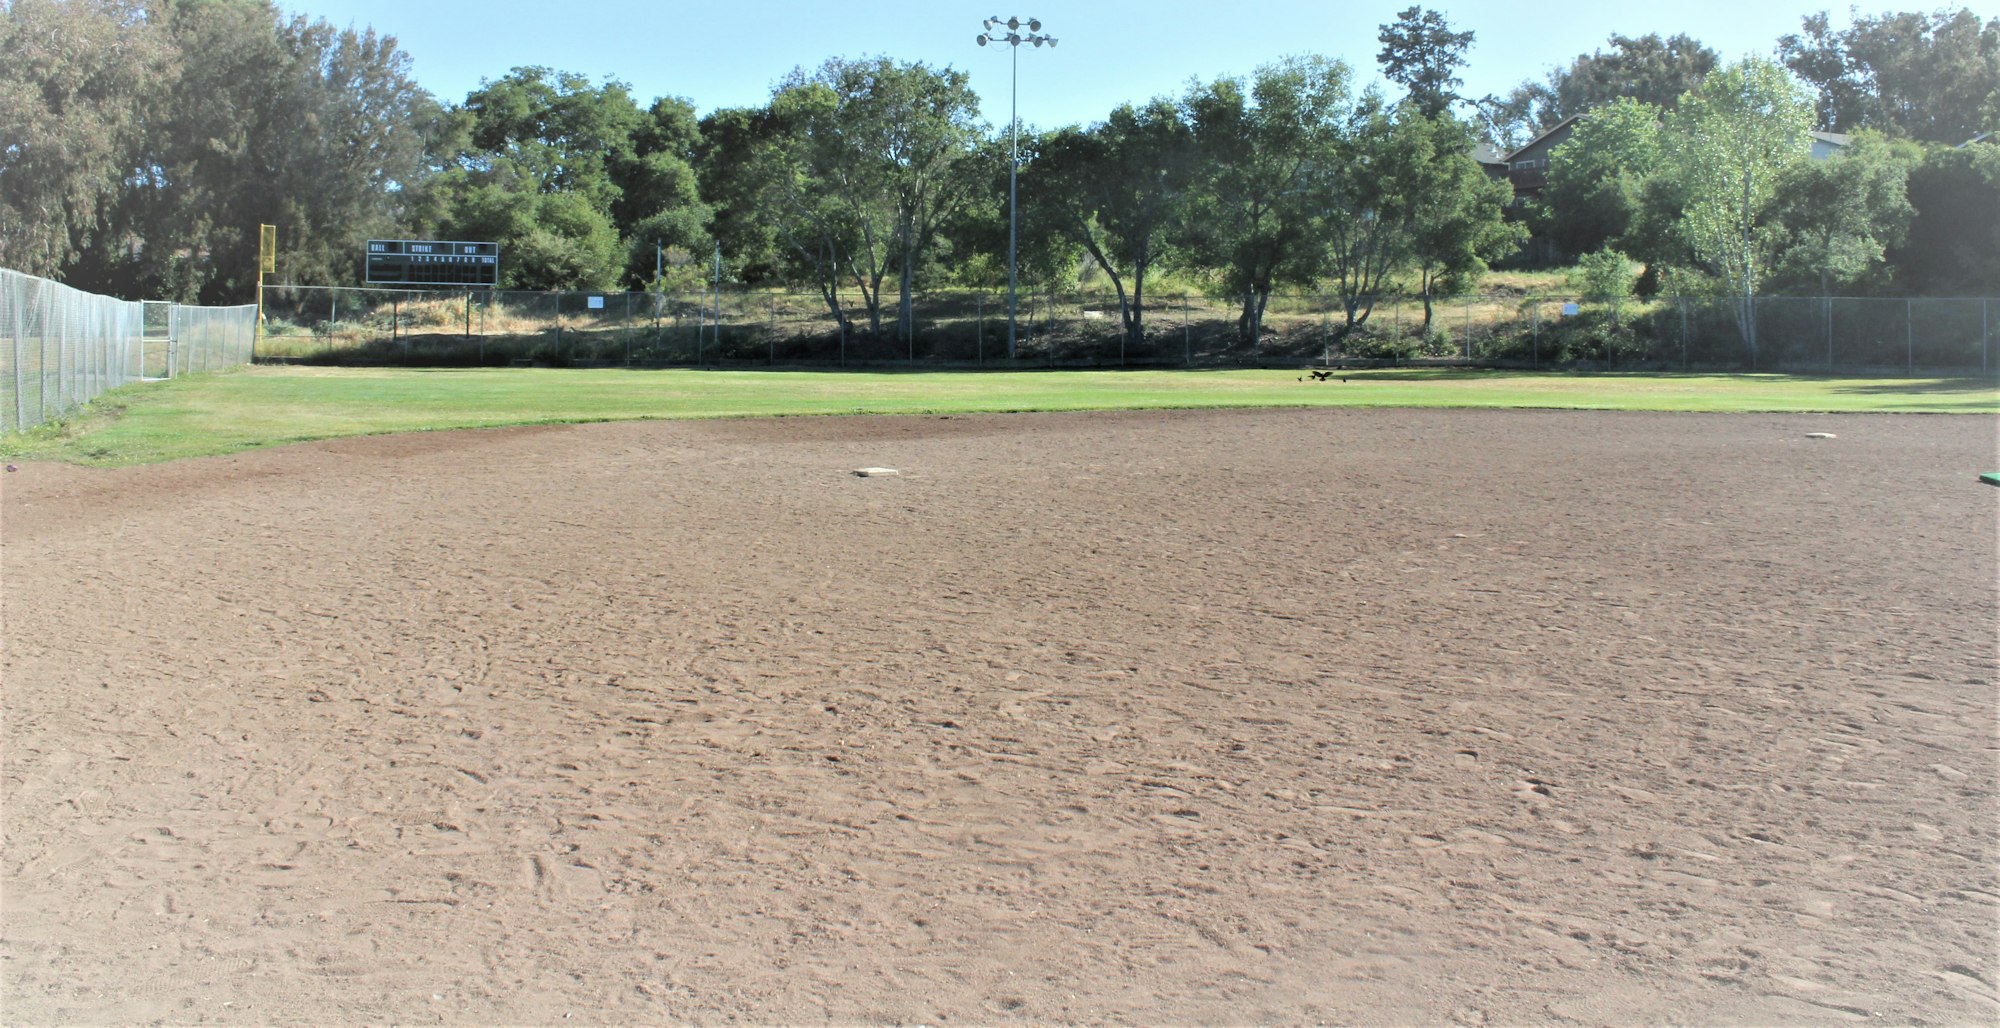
969,328
62,347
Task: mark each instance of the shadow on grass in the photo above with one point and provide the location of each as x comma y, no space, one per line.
1925,387
849,369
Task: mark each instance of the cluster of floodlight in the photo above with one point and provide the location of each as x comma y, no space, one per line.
1012,36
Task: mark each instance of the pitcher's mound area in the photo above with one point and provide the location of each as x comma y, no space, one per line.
1282,717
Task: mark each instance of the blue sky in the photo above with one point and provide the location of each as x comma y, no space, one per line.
728,54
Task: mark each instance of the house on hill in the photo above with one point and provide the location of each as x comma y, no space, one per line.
1528,166
1829,144
1492,159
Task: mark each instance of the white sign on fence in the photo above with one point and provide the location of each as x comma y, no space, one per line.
1569,309
595,303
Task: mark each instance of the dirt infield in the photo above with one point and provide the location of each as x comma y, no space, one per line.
1358,716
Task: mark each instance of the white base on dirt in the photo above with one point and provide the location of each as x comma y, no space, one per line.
876,472
1819,435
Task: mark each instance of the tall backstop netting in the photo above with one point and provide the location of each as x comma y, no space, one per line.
62,347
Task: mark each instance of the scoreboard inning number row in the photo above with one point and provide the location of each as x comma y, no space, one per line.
402,262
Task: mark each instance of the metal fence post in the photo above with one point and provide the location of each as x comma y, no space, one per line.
1682,303
65,367
771,341
1468,327
21,360
1187,335
979,303
42,365
1256,320
1909,336
1325,349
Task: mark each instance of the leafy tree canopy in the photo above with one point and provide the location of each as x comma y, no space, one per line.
1932,77
1953,245
1837,218
1120,190
1422,54
1729,144
73,78
1595,177
1649,69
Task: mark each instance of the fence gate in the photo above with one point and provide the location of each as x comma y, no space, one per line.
156,339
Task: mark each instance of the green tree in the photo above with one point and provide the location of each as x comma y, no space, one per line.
660,204
774,180
1818,55
847,176
1361,228
573,180
1119,190
1648,69
1837,218
74,78
1047,257
857,166
658,174
1605,277
918,126
731,170
556,130
1953,246
1930,77
1422,54
1455,210
1595,177
548,240
1267,155
567,244
293,123
1730,142
352,153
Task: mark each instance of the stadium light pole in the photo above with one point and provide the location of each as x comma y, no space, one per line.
1013,38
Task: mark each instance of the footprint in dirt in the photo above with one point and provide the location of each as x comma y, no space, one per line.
1534,790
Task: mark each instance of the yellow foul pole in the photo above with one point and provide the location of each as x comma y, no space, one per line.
267,262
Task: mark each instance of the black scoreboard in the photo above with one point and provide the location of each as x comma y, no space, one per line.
412,262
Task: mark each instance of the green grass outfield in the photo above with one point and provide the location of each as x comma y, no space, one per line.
266,406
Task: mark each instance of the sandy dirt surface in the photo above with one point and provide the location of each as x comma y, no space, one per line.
1276,717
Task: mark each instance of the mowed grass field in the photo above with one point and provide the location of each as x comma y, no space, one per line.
266,406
